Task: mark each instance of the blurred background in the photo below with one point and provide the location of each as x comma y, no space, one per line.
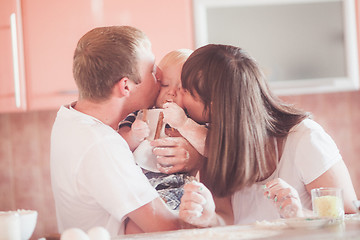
47,33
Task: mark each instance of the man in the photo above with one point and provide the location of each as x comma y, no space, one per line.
94,178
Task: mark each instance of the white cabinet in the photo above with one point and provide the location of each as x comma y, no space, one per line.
12,84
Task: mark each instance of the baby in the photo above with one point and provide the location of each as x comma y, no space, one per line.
136,130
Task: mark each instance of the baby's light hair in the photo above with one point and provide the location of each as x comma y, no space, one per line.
178,56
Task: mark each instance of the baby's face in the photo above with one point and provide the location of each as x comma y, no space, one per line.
170,86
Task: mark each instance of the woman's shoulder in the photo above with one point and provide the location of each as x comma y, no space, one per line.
309,138
306,124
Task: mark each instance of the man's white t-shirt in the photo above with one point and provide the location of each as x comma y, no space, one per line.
94,178
308,153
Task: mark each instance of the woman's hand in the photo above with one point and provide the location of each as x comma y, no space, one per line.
174,115
285,197
197,206
140,130
176,154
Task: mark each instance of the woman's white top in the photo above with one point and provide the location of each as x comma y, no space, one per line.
308,153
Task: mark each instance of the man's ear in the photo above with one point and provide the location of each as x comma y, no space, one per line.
124,86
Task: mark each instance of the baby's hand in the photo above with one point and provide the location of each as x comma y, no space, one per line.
140,130
174,115
285,197
197,205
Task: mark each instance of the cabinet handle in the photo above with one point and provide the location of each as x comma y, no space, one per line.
68,92
18,64
15,59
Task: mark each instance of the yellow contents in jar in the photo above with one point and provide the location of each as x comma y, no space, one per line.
328,206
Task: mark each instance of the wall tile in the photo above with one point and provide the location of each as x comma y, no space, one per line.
25,166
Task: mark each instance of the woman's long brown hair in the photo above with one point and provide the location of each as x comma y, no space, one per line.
245,117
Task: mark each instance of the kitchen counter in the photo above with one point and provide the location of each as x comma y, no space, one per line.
347,229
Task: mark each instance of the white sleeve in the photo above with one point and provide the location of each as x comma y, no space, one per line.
110,176
316,152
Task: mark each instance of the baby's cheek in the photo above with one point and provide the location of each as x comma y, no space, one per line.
179,102
160,100
187,101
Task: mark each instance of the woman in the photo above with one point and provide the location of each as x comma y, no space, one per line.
264,156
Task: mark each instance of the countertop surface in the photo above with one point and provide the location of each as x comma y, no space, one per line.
349,228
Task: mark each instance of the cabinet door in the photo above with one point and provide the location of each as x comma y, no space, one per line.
52,29
12,88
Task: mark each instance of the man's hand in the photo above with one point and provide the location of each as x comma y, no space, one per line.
197,206
176,154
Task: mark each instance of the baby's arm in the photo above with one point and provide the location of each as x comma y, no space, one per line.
136,134
188,128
